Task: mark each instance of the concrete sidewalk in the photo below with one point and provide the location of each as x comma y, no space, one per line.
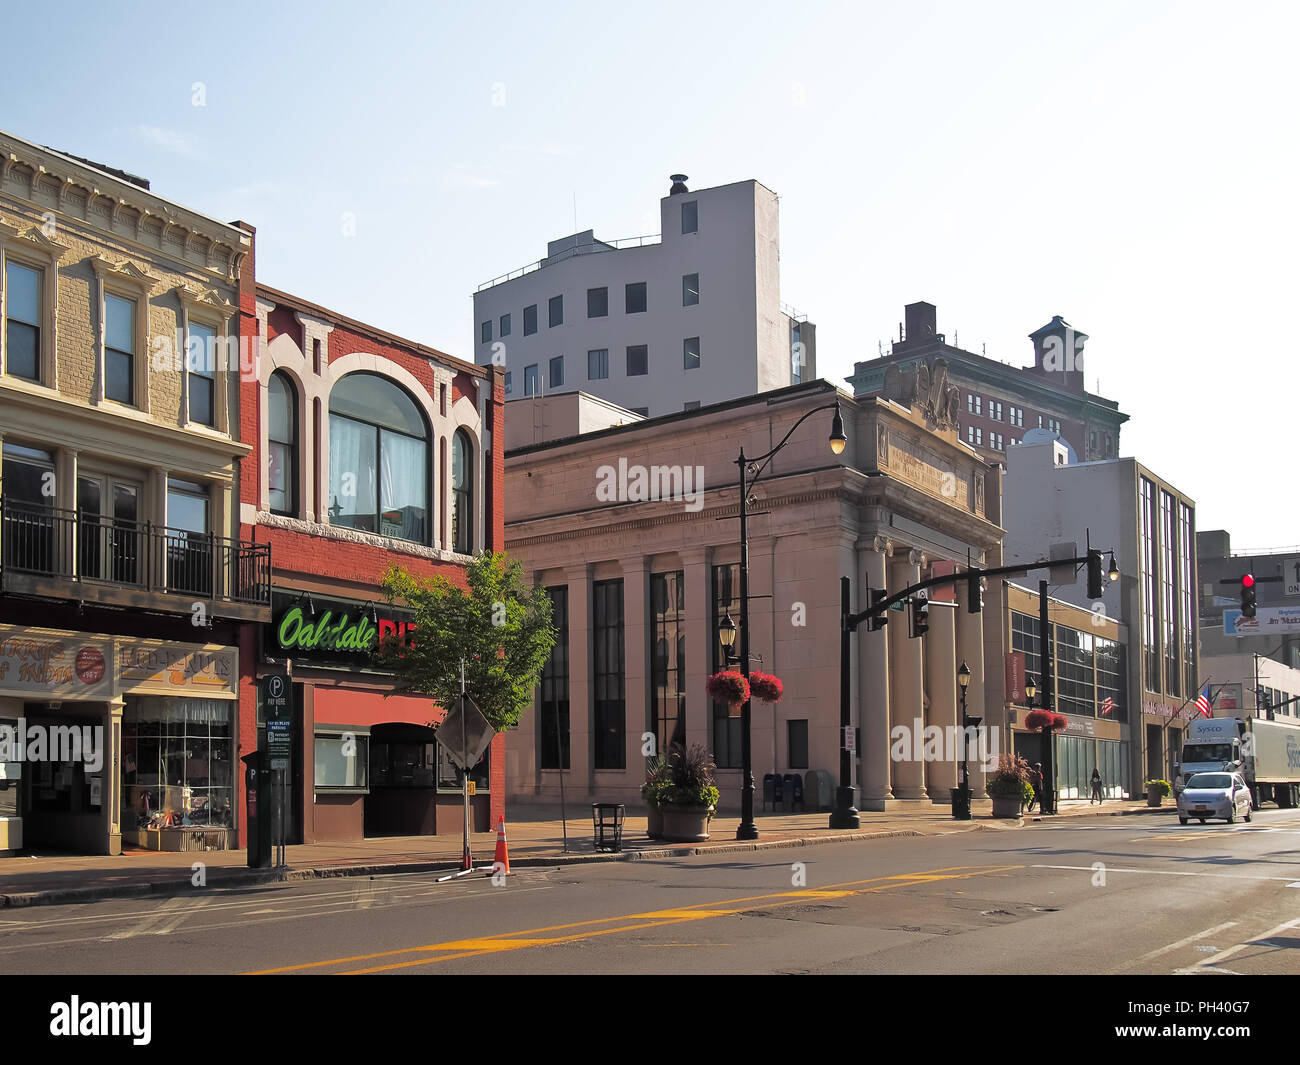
536,836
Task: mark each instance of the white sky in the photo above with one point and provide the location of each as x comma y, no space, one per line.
1131,167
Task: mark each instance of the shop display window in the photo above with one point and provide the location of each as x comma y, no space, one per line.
176,763
342,761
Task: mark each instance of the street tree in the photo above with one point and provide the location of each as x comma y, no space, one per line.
500,628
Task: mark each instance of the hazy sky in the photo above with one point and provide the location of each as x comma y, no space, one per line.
1132,167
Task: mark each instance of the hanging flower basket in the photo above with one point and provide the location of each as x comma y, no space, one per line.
1045,719
728,687
1059,724
766,687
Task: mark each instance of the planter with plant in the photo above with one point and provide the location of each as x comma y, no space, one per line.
729,688
765,687
687,797
657,782
1156,791
1009,786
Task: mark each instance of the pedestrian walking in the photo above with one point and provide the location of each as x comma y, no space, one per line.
1096,787
1036,782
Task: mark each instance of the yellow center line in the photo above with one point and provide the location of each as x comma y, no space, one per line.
525,938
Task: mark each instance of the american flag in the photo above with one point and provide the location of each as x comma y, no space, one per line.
1107,705
1203,702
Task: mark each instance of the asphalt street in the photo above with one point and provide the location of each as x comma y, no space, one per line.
1105,895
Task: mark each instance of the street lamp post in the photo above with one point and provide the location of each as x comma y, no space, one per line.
748,830
961,808
1031,689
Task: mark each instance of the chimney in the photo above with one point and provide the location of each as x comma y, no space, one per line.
679,184
1058,352
921,320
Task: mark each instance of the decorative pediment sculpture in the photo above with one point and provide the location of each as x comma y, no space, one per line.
926,386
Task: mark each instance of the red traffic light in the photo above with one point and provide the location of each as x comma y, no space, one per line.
1248,581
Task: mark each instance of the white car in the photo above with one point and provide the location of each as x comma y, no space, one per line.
1209,795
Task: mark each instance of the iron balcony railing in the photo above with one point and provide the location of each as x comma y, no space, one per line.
87,548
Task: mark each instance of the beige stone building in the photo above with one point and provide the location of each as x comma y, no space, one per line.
120,428
634,530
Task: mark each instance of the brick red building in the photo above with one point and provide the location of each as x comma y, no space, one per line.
368,451
999,403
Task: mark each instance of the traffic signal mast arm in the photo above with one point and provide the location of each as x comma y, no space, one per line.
852,621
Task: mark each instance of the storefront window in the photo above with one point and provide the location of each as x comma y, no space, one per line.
342,760
176,762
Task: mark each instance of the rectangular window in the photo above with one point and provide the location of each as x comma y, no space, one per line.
508,382
530,320
555,310
608,675
638,359
598,364
1112,678
22,294
979,404
979,437
1169,596
1074,672
503,326
690,217
597,302
341,764
530,380
554,709
691,353
557,371
201,365
634,298
1186,586
1024,638
690,290
995,411
970,402
970,434
726,602
797,734
119,348
1150,604
668,660
485,331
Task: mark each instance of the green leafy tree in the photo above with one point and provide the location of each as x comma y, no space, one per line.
501,628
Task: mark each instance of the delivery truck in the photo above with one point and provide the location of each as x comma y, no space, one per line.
1266,753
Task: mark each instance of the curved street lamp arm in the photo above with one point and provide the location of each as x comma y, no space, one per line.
767,458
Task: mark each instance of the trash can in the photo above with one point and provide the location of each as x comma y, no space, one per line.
260,806
607,825
960,804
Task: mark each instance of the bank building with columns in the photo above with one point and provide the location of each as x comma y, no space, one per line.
632,526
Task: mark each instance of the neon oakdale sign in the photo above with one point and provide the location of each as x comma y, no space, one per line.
332,634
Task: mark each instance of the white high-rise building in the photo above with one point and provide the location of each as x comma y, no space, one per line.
655,324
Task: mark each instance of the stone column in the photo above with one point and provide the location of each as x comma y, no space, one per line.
698,578
111,775
906,669
581,702
970,649
943,711
636,670
873,682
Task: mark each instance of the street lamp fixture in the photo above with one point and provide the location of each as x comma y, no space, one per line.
1031,689
757,465
963,676
1112,574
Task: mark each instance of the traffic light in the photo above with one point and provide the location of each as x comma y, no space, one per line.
974,591
920,616
877,621
1248,596
1094,575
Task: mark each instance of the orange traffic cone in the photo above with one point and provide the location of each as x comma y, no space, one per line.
501,863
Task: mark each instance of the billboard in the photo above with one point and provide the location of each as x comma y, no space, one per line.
1268,621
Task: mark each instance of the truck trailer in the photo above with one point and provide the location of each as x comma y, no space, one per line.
1266,753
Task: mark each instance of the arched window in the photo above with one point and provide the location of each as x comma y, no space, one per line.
379,459
282,436
462,490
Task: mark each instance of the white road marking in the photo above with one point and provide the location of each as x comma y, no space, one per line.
166,920
1162,872
1255,942
1186,941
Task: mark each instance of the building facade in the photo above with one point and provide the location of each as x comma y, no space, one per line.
370,451
999,404
633,532
126,583
1119,505
688,317
1090,666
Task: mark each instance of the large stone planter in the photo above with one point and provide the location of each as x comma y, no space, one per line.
1154,795
686,824
654,823
1006,806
